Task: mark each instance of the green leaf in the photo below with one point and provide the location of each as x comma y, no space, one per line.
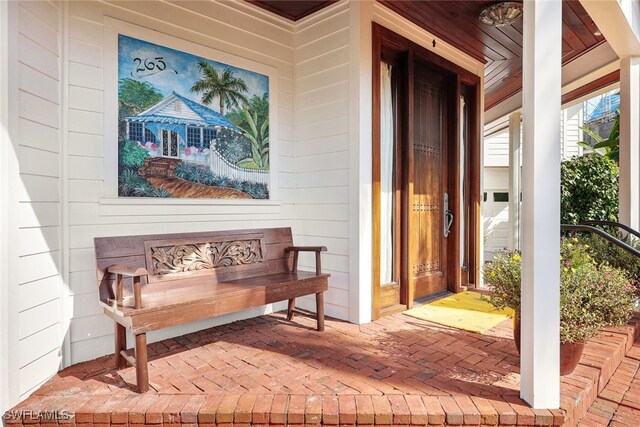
592,134
607,143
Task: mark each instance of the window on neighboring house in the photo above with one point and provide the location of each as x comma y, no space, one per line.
500,197
193,137
149,136
209,134
135,131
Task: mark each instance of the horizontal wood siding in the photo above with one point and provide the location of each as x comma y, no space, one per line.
322,149
571,132
233,27
39,220
496,142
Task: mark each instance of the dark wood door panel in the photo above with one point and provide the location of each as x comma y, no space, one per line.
427,254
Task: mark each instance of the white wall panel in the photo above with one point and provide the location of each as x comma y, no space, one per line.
37,50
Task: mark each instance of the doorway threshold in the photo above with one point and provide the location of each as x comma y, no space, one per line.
427,299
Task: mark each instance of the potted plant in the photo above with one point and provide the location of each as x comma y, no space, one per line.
592,296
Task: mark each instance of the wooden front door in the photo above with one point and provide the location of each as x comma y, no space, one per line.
427,173
434,148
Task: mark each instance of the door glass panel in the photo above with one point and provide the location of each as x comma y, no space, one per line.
165,142
387,160
174,144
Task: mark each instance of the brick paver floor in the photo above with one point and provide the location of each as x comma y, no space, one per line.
397,370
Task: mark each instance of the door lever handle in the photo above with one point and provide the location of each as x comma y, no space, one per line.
448,216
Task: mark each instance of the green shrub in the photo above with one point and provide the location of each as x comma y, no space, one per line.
132,155
503,275
592,296
131,184
589,189
233,145
615,256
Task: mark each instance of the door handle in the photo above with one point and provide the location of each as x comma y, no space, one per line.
448,216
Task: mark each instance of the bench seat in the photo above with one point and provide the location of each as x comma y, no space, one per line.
153,282
204,300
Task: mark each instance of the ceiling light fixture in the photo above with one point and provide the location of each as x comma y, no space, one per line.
500,14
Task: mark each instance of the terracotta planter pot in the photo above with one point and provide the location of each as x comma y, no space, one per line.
570,353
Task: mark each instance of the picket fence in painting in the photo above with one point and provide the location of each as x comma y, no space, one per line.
189,126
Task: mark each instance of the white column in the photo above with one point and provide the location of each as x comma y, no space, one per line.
630,142
540,310
514,180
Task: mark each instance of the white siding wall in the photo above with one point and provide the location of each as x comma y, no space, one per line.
38,135
234,27
322,147
496,143
496,149
573,118
496,214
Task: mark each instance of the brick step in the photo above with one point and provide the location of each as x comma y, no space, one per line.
283,410
619,402
605,376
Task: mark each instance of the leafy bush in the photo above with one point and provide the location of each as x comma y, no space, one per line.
132,154
134,97
131,184
591,296
503,275
259,137
232,145
589,189
609,147
615,256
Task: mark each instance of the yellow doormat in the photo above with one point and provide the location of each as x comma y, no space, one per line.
465,310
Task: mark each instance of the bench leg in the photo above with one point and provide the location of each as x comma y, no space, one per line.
320,310
120,344
142,373
292,306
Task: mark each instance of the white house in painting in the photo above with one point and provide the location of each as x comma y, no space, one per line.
177,127
332,122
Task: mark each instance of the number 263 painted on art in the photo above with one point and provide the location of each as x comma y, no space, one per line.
150,66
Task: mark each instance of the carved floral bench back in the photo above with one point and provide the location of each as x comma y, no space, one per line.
188,258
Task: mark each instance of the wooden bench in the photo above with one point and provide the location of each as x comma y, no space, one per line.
157,281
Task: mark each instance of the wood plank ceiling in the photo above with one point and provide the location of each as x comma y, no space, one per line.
456,22
292,9
500,48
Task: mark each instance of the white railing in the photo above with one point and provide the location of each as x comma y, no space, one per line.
221,166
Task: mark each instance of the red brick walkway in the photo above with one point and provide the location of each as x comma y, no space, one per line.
619,403
398,370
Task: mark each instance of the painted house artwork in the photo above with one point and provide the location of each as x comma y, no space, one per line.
173,142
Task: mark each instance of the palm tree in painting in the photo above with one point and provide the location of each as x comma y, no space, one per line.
225,86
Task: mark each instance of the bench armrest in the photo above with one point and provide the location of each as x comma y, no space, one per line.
316,249
136,273
306,248
127,270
